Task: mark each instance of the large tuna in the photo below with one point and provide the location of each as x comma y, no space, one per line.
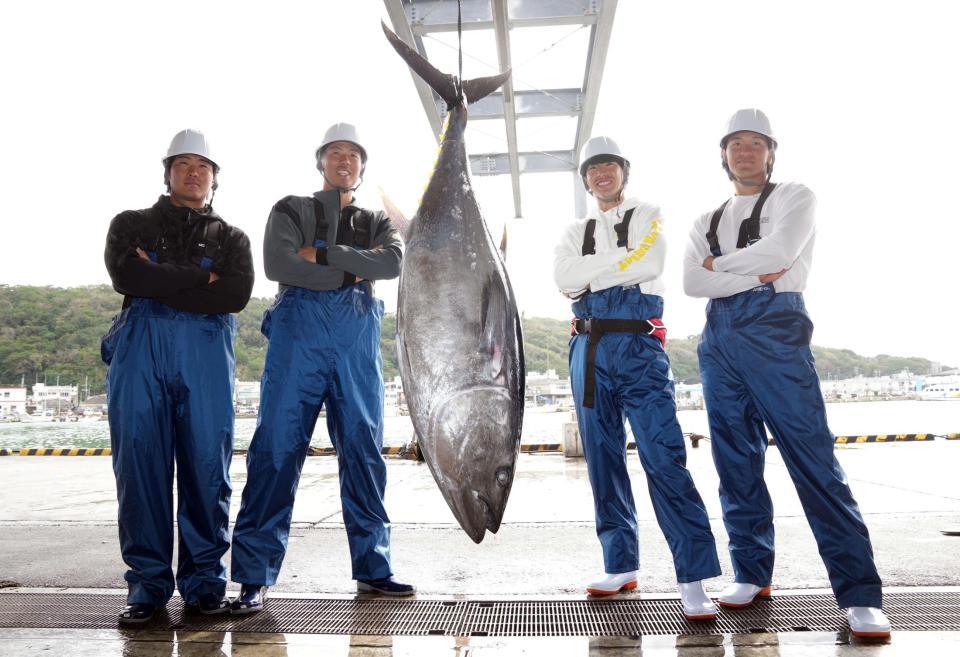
458,332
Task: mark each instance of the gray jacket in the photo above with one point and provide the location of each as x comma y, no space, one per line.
293,223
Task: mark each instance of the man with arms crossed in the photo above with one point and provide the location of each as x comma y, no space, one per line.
751,258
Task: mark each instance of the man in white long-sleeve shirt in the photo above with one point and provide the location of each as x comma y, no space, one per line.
751,258
610,264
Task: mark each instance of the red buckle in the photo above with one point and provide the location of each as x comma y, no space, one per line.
659,330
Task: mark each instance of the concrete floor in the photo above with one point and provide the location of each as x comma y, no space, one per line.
58,529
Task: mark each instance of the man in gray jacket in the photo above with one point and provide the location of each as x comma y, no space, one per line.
324,350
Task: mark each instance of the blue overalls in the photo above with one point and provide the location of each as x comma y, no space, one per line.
757,369
324,350
170,395
633,380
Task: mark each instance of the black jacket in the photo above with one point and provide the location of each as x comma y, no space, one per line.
175,237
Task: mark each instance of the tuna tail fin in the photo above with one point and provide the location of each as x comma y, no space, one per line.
443,83
477,88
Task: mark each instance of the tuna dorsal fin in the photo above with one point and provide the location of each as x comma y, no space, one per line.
443,83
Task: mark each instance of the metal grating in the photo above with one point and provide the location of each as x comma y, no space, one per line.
919,611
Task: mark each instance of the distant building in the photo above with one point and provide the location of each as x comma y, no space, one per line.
94,404
246,394
52,398
393,392
902,384
13,401
689,396
548,389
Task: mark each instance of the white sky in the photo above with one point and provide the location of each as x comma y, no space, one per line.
861,95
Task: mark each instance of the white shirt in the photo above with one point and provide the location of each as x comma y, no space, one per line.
787,236
639,263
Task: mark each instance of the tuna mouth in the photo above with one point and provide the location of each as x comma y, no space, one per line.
492,522
475,514
490,518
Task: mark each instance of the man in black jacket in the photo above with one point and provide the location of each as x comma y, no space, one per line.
182,270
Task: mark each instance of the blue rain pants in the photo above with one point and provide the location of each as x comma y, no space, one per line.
757,369
324,350
170,394
633,380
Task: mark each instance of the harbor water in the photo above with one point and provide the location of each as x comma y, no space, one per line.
539,425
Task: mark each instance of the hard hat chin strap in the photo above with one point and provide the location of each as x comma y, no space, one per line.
343,190
741,181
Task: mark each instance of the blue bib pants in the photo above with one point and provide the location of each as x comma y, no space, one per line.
758,369
170,395
633,381
324,350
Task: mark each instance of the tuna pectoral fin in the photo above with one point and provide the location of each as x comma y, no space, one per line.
442,83
493,315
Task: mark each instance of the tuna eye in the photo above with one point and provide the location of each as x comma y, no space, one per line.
503,476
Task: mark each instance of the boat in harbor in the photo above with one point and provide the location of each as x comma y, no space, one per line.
941,388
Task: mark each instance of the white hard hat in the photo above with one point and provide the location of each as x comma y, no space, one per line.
342,132
598,148
749,119
190,142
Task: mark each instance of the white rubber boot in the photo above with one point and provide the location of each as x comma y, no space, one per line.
696,604
739,595
868,622
613,584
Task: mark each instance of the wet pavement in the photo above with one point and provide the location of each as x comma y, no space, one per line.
125,643
58,529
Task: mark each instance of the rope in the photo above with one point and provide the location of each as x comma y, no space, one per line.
460,38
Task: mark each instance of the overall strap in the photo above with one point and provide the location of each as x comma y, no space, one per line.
623,228
589,244
320,233
712,233
750,228
212,239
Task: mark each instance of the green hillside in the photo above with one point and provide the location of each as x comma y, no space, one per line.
46,332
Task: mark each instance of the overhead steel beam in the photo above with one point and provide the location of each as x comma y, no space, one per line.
527,104
495,164
428,16
423,30
502,32
593,75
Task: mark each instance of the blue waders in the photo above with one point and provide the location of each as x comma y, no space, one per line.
633,380
758,369
170,392
324,350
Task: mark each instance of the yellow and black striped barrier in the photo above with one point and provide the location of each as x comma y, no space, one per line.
885,438
63,451
545,447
